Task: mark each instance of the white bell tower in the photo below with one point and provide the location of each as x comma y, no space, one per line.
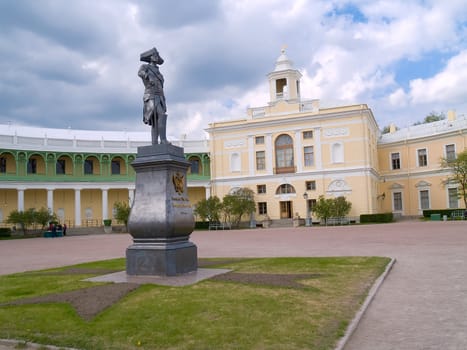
284,81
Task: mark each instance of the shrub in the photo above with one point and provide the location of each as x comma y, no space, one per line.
107,222
5,232
427,213
379,218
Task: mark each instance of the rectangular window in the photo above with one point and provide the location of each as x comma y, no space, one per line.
395,161
397,199
422,158
309,155
261,189
308,134
262,208
60,167
32,166
2,165
450,152
310,185
115,167
424,199
88,167
453,198
260,160
259,140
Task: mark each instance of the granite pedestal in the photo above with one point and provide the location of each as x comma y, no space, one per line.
161,218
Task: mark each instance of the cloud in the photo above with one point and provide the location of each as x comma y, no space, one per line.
448,86
76,63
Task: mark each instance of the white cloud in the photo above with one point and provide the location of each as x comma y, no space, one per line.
448,86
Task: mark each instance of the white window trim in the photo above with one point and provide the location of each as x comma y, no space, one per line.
402,201
444,149
417,158
420,199
447,196
390,160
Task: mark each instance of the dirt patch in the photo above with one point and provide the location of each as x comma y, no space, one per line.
268,279
88,302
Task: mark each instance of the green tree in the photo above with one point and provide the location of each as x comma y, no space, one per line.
30,217
238,204
122,212
341,207
432,117
323,208
209,209
458,167
331,207
43,216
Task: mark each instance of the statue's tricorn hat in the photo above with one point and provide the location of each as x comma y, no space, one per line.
146,56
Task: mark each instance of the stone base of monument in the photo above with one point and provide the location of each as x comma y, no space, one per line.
169,258
161,218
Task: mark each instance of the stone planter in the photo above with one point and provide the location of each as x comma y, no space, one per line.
108,229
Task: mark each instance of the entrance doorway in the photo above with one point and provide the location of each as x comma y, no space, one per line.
286,209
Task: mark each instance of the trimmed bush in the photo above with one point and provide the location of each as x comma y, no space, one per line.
107,222
380,218
201,225
5,232
447,212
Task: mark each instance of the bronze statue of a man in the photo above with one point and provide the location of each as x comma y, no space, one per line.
154,110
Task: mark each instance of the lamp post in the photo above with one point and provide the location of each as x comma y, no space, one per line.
308,219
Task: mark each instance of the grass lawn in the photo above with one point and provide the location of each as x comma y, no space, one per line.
249,312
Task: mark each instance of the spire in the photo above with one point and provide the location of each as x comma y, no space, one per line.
283,62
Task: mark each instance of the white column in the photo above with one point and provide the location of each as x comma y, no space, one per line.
77,207
269,155
50,200
318,151
251,156
20,199
299,151
105,204
208,192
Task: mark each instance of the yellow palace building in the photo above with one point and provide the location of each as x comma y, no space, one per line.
289,153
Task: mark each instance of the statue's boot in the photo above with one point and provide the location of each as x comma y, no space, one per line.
154,133
162,124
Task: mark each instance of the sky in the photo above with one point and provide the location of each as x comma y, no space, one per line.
74,64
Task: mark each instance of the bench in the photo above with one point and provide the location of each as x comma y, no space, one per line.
216,225
458,215
50,234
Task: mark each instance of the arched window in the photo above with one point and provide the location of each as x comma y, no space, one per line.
195,167
284,154
285,188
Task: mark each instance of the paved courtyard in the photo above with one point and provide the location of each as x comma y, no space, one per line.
421,305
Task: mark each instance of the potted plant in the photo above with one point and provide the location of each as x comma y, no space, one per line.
108,226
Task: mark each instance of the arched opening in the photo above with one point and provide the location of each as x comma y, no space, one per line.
36,164
195,165
91,166
7,163
118,166
64,165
